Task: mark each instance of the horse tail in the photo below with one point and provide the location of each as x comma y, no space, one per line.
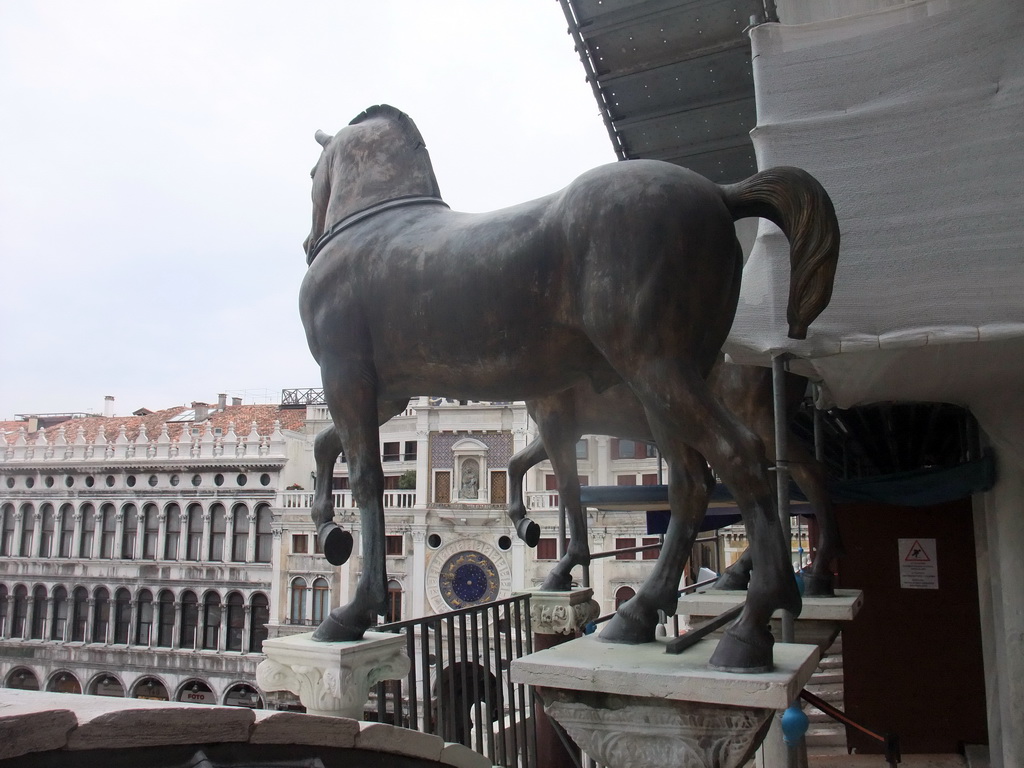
797,203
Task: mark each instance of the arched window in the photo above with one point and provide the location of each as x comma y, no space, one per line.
28,529
165,620
260,617
321,600
129,531
108,529
218,530
67,531
79,614
264,537
7,531
100,615
107,685
47,532
60,613
622,594
297,607
239,533
211,621
150,688
393,612
4,628
235,621
172,532
23,680
20,617
150,531
64,682
38,612
189,619
243,695
122,616
195,532
85,544
144,617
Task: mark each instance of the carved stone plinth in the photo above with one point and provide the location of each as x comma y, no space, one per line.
631,731
636,706
332,679
562,613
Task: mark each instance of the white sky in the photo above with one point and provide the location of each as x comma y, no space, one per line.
154,172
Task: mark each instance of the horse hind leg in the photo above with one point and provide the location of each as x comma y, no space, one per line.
335,541
529,457
681,410
636,620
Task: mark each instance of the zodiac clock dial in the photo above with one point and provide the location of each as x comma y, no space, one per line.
468,578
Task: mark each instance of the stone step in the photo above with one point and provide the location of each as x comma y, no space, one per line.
825,735
829,677
831,662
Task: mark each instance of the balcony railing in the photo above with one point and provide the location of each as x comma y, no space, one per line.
343,500
458,685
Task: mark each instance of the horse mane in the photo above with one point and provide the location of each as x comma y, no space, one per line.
395,115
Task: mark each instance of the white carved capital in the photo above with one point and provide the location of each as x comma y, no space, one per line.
332,679
633,732
562,613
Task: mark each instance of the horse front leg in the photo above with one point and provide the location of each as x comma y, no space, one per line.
529,457
335,542
556,421
689,489
353,405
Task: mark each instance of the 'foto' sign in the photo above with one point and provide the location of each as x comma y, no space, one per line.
919,568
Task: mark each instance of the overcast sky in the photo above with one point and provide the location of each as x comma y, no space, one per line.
154,172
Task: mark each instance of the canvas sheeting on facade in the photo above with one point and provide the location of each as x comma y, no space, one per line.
913,119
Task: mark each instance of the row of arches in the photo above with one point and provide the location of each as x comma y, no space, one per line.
196,690
309,601
238,533
163,619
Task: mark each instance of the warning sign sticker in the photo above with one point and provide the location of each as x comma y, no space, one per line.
918,564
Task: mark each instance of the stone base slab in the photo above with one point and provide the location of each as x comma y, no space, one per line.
645,670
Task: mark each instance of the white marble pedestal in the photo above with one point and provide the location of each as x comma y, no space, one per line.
332,679
636,706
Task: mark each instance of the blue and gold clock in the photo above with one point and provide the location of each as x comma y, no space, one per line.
468,578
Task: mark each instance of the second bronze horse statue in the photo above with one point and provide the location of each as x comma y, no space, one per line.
631,273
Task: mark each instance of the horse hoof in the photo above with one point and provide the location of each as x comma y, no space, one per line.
628,631
818,584
333,631
336,543
733,581
528,531
750,652
557,583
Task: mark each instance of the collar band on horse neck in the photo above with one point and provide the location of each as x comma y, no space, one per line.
365,213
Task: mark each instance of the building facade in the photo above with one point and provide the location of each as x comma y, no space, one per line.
150,555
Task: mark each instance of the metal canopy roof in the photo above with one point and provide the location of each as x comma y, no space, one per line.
673,78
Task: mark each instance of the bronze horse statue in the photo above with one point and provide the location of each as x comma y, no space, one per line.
563,418
631,273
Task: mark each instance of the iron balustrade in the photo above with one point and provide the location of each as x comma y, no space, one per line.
458,685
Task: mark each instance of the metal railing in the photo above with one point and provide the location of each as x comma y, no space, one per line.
458,685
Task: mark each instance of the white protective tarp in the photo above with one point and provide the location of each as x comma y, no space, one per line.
913,119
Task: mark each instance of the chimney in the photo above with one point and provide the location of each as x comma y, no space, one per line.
108,406
202,411
236,401
222,402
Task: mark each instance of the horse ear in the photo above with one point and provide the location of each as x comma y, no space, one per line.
322,139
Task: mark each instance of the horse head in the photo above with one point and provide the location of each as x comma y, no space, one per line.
378,157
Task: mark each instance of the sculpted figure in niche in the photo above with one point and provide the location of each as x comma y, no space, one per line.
470,488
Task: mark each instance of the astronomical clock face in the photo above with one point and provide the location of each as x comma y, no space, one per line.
468,578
